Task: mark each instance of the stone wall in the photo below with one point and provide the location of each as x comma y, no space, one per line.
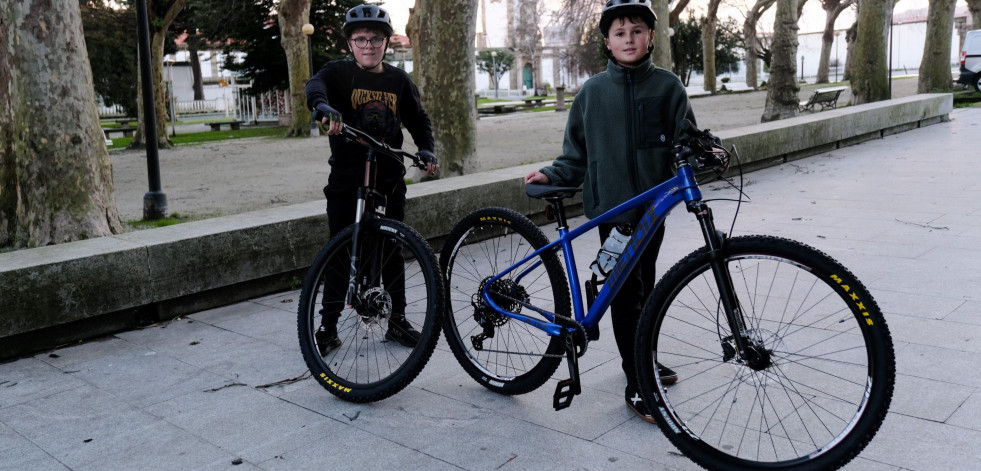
62,293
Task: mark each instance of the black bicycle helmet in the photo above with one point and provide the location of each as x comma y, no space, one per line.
626,8
368,16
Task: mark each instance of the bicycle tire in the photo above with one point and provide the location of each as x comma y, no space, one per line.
828,378
518,358
366,366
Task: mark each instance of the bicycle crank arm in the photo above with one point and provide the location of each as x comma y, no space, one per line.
567,389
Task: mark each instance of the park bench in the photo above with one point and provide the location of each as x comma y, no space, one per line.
532,102
126,131
825,97
216,125
498,109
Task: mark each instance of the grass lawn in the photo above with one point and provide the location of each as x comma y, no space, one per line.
208,136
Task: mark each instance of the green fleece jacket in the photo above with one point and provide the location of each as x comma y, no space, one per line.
619,135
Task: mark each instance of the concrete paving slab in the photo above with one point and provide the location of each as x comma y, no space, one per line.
912,443
64,424
30,379
945,365
969,313
342,447
239,419
158,446
17,452
928,399
967,414
937,333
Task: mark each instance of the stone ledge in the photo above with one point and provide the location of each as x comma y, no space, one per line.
62,293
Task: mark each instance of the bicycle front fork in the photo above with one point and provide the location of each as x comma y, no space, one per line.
749,352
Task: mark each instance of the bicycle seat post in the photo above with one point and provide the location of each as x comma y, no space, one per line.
556,210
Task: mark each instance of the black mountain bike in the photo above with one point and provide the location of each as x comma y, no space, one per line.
375,275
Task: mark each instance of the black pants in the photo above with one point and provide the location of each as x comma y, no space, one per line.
628,302
341,207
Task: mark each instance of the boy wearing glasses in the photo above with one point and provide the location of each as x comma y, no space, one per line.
378,99
617,145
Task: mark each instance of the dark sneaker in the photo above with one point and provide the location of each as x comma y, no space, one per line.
668,376
399,330
327,339
637,404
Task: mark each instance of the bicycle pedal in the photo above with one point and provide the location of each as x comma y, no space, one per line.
564,392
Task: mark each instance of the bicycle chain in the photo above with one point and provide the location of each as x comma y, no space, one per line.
565,322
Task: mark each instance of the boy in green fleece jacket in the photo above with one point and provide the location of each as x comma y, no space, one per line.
618,140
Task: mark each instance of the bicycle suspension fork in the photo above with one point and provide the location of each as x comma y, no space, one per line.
362,197
715,241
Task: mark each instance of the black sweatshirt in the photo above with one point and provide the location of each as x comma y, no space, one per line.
377,103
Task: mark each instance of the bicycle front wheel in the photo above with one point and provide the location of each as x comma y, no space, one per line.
814,384
503,354
396,278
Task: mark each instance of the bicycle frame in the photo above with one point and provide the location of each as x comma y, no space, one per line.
660,200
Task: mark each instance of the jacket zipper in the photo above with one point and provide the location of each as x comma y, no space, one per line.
631,130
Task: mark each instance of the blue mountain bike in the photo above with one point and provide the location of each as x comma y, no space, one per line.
784,360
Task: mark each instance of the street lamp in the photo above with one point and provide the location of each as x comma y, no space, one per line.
837,61
308,30
494,71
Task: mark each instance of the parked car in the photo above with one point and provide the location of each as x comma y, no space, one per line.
971,60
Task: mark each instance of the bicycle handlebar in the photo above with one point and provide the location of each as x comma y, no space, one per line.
700,149
354,134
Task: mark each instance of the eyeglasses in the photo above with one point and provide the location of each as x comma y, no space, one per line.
362,41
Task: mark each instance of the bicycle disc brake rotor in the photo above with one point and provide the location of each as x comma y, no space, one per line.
761,355
376,304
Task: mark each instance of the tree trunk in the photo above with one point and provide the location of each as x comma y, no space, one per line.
781,95
293,14
869,70
974,6
827,38
935,73
675,15
708,45
752,45
445,46
55,171
198,85
662,38
850,35
160,14
416,37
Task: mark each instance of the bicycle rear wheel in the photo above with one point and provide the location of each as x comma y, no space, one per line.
504,355
812,390
367,366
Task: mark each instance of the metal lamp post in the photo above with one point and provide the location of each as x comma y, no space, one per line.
494,71
155,200
308,30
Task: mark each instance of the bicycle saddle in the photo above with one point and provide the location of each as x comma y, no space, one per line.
548,192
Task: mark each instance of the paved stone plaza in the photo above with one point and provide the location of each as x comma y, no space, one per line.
226,388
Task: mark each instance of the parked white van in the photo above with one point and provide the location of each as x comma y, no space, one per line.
971,60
